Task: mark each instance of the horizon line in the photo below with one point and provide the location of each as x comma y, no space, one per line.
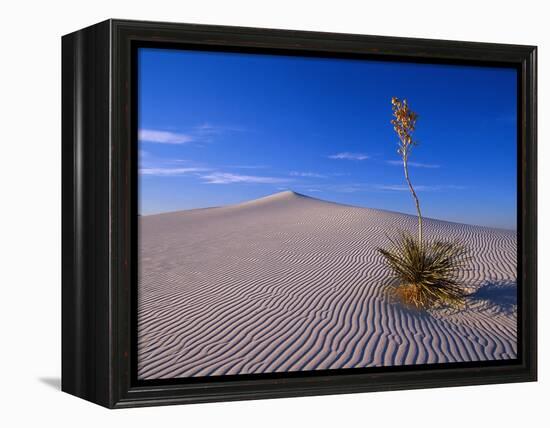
305,196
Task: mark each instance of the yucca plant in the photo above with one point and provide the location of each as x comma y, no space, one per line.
426,273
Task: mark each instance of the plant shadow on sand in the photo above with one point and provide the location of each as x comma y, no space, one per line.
499,295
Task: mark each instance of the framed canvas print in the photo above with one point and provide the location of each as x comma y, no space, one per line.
252,213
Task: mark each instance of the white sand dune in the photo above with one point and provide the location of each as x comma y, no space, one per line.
289,283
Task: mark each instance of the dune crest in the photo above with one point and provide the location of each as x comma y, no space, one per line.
288,282
287,196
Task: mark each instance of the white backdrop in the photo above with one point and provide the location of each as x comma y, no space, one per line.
30,274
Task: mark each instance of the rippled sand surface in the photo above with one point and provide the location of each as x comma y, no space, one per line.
290,283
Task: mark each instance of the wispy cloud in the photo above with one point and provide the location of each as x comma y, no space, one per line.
419,188
169,172
369,187
413,164
347,188
306,174
336,188
229,178
349,156
204,132
207,131
249,166
207,128
163,137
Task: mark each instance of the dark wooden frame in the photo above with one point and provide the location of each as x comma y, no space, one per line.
98,224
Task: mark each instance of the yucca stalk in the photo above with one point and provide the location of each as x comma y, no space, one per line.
404,124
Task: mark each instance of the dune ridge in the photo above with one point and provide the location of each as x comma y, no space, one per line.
290,283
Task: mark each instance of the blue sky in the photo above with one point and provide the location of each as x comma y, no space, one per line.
222,128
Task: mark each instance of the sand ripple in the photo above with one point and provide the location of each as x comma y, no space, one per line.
289,283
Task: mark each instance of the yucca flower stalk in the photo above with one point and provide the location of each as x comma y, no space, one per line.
404,124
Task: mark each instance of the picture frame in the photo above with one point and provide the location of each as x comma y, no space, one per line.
99,206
